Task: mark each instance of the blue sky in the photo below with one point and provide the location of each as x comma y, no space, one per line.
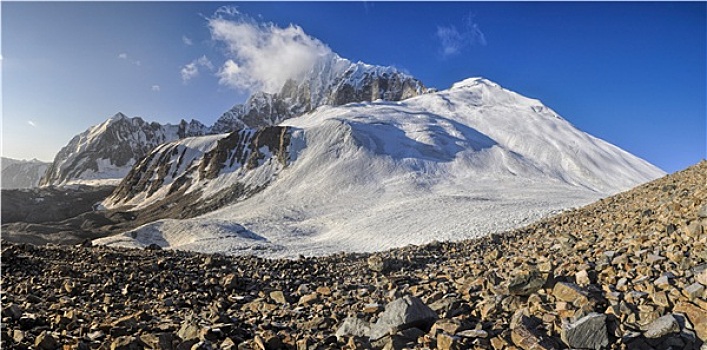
633,74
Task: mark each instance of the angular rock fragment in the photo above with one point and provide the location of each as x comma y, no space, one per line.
353,327
401,314
588,332
524,283
661,327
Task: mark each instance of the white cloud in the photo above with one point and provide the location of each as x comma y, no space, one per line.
155,88
262,56
191,70
187,41
227,10
124,56
32,124
453,41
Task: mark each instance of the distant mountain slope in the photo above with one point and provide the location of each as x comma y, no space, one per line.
22,173
105,153
453,164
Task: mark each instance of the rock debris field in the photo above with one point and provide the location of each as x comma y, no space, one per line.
627,272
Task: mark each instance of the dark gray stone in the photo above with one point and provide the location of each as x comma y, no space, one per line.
589,332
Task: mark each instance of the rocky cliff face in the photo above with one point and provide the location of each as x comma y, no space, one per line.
199,163
105,153
332,82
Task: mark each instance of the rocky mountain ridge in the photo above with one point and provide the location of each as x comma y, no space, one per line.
190,164
105,153
333,81
629,271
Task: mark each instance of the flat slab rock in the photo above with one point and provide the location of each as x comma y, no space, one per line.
588,332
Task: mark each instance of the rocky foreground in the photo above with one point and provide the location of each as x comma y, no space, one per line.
627,272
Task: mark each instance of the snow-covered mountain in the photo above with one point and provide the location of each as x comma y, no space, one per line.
333,81
105,153
453,164
21,173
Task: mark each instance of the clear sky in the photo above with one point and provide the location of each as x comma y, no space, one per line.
633,74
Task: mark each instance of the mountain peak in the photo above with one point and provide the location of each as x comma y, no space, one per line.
473,81
333,81
118,116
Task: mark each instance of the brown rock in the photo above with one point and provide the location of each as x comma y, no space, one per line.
524,338
309,299
230,281
125,343
268,340
278,296
377,263
571,293
524,283
447,342
696,315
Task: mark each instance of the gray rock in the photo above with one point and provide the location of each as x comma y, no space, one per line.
694,291
353,327
401,314
589,332
662,326
702,214
701,276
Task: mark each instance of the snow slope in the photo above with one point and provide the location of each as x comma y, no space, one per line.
449,165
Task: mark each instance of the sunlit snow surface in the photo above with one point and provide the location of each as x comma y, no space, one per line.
450,165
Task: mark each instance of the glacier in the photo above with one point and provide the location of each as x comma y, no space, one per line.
369,176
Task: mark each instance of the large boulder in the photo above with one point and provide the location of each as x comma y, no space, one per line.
401,314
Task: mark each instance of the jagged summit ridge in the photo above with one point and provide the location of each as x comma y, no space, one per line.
333,82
